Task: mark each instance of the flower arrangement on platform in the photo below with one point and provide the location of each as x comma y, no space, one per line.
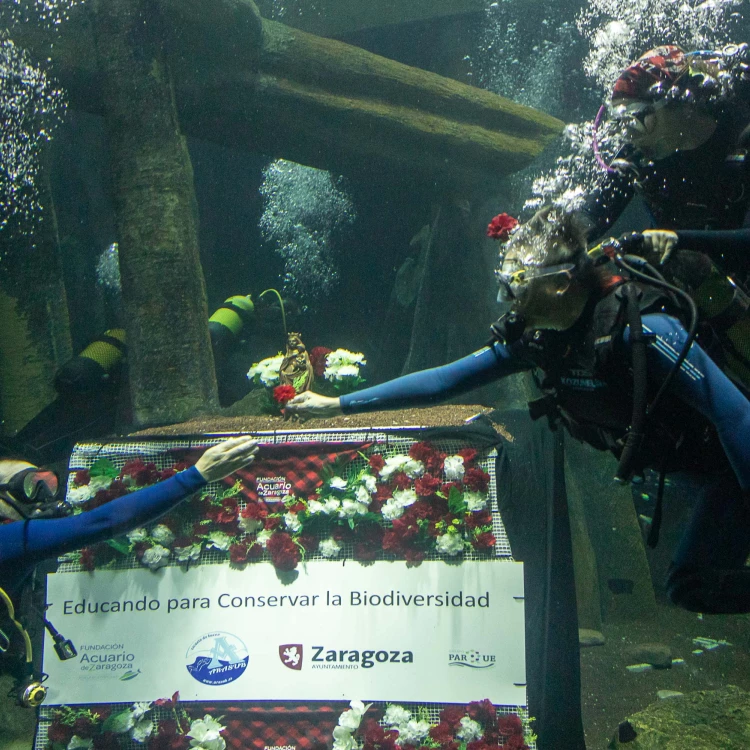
338,371
423,502
100,729
476,726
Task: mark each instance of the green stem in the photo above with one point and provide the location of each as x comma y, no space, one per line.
283,312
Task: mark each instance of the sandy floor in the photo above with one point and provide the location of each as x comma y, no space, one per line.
610,693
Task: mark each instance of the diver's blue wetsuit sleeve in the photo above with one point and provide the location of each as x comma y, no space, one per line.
31,541
439,383
702,385
729,245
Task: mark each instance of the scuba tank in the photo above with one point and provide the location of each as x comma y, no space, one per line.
226,324
94,367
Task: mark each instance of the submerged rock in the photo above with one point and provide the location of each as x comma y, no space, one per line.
587,637
656,654
704,720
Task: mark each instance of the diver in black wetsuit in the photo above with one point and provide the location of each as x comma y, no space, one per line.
571,325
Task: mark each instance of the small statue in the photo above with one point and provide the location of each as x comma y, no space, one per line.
296,368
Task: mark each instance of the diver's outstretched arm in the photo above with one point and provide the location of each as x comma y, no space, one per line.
418,388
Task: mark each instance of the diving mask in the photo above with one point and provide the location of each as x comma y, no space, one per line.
514,285
34,493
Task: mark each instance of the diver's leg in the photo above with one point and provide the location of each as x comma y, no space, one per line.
708,572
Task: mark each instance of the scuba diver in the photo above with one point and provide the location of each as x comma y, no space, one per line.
621,372
36,525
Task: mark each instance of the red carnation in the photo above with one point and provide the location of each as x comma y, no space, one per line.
414,556
510,724
85,727
377,462
427,485
132,467
401,481
283,393
442,733
341,533
368,540
501,226
82,477
59,732
228,511
285,554
482,711
468,455
309,542
452,715
271,523
238,553
485,540
476,479
168,702
421,452
318,356
478,518
86,558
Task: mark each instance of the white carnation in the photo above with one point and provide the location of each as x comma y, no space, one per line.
78,743
249,525
99,483
205,734
263,537
392,465
156,557
469,730
413,732
138,535
292,522
142,730
405,498
163,534
337,373
315,506
331,506
345,357
396,716
370,483
192,553
475,501
350,720
140,709
350,508
392,509
219,540
337,483
413,468
79,495
450,544
342,739
329,547
453,466
266,371
362,495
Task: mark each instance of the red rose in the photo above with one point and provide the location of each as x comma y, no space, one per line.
82,477
283,393
485,540
377,462
501,226
285,554
510,724
426,485
318,356
476,479
452,715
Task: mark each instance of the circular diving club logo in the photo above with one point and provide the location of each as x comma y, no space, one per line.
217,658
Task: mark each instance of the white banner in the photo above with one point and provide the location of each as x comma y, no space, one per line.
435,633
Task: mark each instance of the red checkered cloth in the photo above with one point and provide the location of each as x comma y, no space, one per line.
290,726
666,64
301,465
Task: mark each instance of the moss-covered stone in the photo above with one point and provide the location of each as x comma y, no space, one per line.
704,720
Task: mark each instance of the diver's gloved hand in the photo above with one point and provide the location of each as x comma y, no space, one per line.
221,460
658,244
309,404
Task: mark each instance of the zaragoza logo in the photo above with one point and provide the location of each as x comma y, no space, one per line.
291,655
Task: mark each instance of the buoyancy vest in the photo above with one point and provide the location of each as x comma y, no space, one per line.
585,373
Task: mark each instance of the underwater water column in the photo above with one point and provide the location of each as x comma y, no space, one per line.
164,296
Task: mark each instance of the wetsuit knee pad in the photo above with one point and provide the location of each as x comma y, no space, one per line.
710,590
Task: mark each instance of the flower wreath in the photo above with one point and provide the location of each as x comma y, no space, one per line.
408,506
473,727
